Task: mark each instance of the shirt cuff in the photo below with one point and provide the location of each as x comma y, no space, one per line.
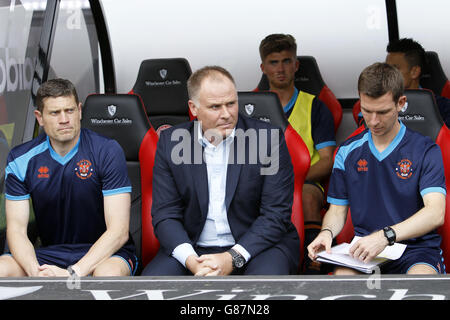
242,251
182,252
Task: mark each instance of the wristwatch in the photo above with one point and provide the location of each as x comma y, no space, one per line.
238,260
390,235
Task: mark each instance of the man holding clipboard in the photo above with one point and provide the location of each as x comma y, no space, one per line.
393,180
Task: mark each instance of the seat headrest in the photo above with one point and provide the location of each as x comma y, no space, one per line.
433,76
265,106
162,85
118,116
307,78
422,113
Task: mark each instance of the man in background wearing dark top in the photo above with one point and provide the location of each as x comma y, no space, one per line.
408,56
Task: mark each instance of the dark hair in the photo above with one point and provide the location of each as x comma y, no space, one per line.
414,52
277,42
195,80
55,88
380,78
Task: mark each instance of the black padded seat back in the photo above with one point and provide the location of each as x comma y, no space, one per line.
122,117
308,77
162,85
433,76
264,106
163,122
422,113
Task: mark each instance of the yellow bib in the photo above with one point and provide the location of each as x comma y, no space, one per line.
300,120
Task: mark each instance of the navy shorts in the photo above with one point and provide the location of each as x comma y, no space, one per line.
64,255
431,257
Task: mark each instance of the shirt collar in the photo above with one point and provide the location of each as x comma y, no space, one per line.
205,143
291,102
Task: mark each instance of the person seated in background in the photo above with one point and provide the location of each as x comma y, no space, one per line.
409,57
215,210
393,180
311,119
78,184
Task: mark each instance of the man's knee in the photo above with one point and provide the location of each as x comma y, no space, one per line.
10,268
342,271
112,267
422,268
164,265
272,261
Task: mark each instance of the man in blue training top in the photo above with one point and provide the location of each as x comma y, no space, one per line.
393,180
80,191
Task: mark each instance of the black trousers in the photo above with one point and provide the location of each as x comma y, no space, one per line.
272,261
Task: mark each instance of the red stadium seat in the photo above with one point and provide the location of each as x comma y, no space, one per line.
422,115
162,85
309,79
356,111
123,118
266,106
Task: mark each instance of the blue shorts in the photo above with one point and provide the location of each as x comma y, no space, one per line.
64,255
431,257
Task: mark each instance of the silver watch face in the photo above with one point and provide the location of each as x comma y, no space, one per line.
239,262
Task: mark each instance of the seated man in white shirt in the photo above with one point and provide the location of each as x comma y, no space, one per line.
221,206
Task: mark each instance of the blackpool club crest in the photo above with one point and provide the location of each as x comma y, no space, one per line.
404,169
84,169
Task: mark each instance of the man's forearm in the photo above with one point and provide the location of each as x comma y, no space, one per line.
102,249
320,170
335,218
430,217
23,252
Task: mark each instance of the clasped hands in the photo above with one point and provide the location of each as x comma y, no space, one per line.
51,271
217,264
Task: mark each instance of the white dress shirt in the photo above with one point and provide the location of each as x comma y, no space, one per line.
216,231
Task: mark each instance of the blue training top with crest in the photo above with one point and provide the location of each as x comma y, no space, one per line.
67,192
386,188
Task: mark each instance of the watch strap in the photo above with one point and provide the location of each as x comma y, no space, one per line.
390,235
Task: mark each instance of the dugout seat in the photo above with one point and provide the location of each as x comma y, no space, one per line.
123,118
422,115
433,76
266,106
309,79
162,85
